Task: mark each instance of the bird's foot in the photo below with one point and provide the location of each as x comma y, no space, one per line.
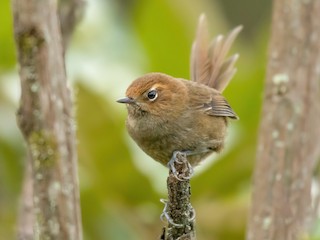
186,171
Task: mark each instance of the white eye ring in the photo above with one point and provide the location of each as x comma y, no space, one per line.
152,95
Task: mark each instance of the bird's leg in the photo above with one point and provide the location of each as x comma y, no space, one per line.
179,157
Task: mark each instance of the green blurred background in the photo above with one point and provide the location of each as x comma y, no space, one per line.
116,42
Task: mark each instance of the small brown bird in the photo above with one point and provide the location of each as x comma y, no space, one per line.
167,115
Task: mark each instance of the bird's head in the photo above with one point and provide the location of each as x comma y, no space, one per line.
156,94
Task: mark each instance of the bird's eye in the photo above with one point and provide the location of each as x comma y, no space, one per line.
152,95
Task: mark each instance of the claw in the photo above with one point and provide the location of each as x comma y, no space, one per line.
187,170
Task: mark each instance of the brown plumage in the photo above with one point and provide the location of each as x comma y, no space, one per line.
167,114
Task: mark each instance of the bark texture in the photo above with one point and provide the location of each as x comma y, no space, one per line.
45,118
26,217
289,132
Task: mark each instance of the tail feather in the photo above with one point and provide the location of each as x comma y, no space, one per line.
199,53
208,64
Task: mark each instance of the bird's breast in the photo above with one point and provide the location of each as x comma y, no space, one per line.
159,137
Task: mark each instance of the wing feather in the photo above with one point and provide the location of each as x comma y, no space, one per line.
219,106
213,104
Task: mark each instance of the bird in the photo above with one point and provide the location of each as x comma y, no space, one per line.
169,115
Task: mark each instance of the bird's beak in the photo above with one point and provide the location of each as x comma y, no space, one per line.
126,100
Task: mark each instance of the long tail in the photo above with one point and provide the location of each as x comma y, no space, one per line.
208,64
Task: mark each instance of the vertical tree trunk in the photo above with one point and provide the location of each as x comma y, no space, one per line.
289,132
46,121
26,217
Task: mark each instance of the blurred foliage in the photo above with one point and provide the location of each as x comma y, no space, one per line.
7,56
116,42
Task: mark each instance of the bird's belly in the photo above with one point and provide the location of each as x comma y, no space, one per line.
161,141
160,148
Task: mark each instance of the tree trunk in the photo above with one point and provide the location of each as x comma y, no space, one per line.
289,132
26,217
45,118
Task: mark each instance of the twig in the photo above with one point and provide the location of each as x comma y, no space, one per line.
178,210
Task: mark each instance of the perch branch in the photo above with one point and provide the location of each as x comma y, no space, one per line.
178,210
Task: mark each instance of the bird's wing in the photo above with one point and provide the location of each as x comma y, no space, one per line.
211,102
208,64
218,106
